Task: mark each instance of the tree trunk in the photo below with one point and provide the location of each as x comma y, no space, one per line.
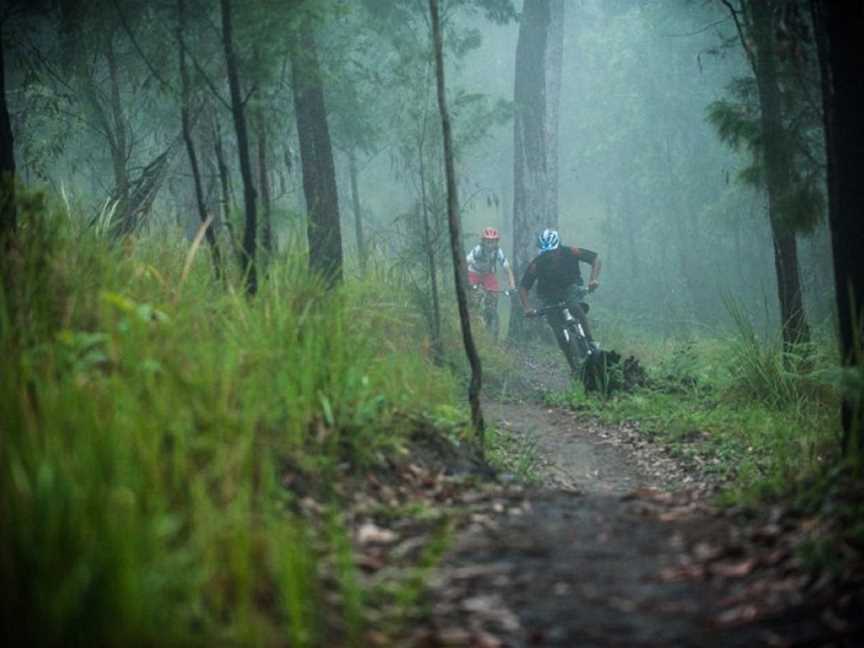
225,187
777,173
554,60
535,132
8,209
190,143
362,253
323,230
264,188
120,147
437,348
839,26
237,110
460,273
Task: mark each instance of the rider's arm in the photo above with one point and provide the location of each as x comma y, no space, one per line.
525,285
589,256
506,265
511,279
595,274
470,257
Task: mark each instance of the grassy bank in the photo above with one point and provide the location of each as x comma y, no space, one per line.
147,415
733,405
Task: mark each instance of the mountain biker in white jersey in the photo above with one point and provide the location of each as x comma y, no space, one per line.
483,260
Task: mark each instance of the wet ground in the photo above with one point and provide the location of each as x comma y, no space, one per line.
612,550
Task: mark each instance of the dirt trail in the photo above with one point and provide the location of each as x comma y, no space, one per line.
603,555
571,455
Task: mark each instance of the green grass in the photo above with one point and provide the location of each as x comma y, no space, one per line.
144,422
755,418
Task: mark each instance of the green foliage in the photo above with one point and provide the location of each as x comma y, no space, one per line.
735,408
737,122
144,427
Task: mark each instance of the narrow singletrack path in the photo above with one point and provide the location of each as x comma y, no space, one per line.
608,551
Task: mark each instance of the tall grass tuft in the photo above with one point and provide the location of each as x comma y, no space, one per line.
143,430
762,370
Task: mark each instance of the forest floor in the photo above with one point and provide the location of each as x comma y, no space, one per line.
614,544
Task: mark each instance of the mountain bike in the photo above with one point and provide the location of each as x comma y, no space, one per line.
587,361
486,303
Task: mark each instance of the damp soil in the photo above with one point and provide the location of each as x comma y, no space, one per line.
612,548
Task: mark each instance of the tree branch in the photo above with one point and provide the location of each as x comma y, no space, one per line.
734,13
137,47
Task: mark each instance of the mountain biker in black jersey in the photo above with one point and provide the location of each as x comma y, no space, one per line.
559,279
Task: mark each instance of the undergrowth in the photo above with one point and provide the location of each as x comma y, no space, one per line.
746,413
145,417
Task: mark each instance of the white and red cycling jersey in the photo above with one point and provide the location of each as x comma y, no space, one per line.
482,264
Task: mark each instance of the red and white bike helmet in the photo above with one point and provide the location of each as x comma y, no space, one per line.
490,234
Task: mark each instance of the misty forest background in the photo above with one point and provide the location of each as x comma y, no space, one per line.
227,250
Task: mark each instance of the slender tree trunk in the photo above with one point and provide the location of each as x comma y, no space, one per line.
222,170
839,26
225,190
460,273
316,154
264,188
432,269
362,252
535,132
237,110
216,254
777,172
8,210
120,148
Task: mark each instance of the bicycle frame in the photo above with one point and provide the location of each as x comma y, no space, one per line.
575,347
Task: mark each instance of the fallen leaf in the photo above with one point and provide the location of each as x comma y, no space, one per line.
370,533
733,570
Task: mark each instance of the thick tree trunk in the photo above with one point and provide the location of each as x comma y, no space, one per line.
777,173
237,111
839,26
190,142
553,63
264,189
460,273
362,253
535,132
323,231
8,210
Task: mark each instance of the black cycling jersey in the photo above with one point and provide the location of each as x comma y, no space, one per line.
556,271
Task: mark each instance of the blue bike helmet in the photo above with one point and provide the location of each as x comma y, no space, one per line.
548,240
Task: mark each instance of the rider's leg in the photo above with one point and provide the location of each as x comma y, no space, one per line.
580,316
574,298
556,322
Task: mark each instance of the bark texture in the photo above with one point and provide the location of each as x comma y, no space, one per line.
323,230
776,157
535,131
839,26
460,273
8,210
238,113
